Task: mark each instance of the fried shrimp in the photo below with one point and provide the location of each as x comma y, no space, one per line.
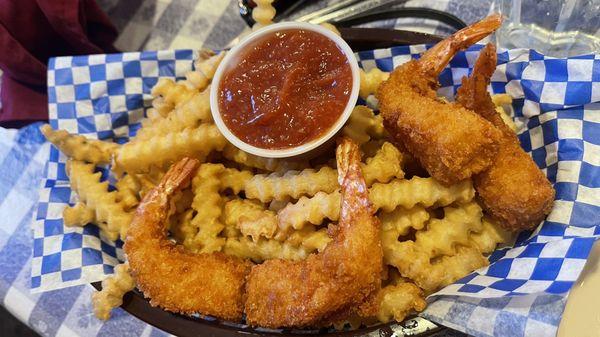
178,281
451,142
284,293
513,189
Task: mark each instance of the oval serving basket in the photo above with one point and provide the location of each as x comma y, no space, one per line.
193,326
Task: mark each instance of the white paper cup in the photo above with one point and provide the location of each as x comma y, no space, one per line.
303,148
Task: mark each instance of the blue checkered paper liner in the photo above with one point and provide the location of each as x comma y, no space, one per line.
99,96
556,108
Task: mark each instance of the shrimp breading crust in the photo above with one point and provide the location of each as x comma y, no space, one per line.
284,293
176,280
513,189
451,142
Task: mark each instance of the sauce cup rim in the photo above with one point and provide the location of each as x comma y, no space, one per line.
303,148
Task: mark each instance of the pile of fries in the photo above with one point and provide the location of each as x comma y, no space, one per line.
260,209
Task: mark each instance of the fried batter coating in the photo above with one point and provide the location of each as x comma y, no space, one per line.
451,142
297,294
174,279
513,189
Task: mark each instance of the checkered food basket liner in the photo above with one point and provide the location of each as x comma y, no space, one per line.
556,108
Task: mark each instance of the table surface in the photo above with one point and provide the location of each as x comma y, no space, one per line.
144,25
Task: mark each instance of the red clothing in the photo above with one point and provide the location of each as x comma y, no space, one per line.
31,31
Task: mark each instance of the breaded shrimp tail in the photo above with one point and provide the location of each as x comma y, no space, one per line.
178,281
451,142
283,293
513,189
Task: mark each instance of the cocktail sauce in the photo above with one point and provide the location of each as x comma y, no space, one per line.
286,89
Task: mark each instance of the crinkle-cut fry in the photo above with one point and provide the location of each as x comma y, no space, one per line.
363,125
139,157
331,27
190,114
419,260
400,221
114,288
128,191
268,249
310,210
395,301
160,109
490,236
79,215
370,81
277,205
444,235
414,264
208,65
251,218
263,13
205,66
148,180
294,184
234,179
79,147
385,165
502,99
268,164
86,183
180,225
423,191
309,237
173,93
202,236
426,192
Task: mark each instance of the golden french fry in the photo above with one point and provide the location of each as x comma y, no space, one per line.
79,215
263,13
331,28
423,191
370,81
436,257
140,157
250,218
268,164
114,288
364,125
397,300
160,109
205,67
406,193
234,180
128,191
444,235
189,114
86,183
490,236
385,165
79,147
201,234
268,249
173,93
502,99
294,184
